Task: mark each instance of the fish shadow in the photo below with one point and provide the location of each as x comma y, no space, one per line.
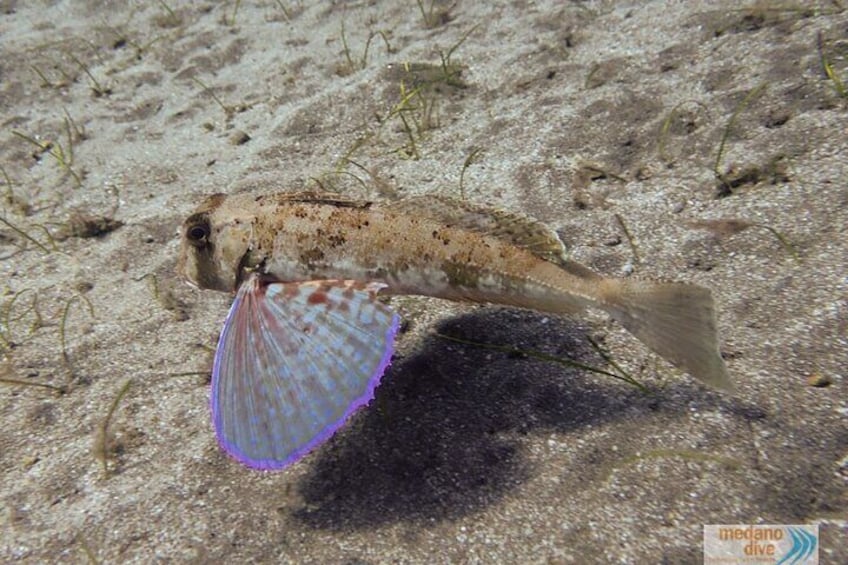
443,437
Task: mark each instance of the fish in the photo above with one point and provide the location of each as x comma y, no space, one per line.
307,338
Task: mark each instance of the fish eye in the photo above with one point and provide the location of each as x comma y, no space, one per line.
198,234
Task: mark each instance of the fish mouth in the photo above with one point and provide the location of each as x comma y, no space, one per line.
189,270
182,263
181,273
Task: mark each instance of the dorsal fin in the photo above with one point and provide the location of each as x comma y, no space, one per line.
519,230
324,198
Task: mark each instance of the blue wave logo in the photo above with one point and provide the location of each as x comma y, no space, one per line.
803,545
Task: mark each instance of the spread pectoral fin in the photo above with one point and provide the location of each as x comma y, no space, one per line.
294,361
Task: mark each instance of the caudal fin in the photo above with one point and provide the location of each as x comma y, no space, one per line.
677,321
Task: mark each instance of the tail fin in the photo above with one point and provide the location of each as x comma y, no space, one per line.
677,321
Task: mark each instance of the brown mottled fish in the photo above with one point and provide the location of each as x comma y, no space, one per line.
306,341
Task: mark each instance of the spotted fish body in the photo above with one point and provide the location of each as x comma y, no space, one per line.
272,250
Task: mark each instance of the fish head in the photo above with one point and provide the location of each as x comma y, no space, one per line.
215,245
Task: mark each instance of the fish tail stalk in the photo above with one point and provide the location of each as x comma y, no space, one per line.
676,320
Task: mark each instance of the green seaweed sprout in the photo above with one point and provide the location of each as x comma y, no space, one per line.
170,19
838,85
353,66
358,143
153,284
101,441
376,181
436,14
619,374
685,454
229,110
232,21
286,13
416,118
449,68
4,370
73,132
96,87
474,156
165,297
8,341
731,226
416,112
12,381
66,358
89,553
326,182
746,101
10,191
8,318
21,232
630,240
667,123
15,202
66,79
65,158
417,108
45,82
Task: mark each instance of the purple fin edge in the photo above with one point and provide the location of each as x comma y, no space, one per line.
327,432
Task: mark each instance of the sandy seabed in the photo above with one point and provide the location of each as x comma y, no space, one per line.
629,127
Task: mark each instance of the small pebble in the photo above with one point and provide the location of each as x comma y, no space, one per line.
239,138
819,380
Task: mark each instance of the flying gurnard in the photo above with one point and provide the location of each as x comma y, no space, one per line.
306,340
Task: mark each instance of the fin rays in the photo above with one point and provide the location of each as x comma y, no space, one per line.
677,321
294,361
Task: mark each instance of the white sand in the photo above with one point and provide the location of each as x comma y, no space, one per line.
468,455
